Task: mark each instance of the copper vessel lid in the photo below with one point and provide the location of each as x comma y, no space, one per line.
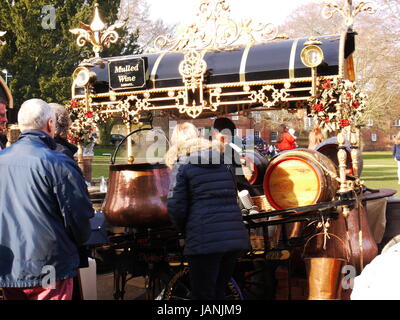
137,166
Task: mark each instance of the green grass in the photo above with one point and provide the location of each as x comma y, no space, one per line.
380,171
101,160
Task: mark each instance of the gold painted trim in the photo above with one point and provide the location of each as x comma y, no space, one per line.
261,82
210,86
292,58
298,98
240,93
242,72
342,45
155,68
351,74
306,62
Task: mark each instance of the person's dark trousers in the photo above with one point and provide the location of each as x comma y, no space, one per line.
210,274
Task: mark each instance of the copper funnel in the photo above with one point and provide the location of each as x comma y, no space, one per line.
324,278
324,267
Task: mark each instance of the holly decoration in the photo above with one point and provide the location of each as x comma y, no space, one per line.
83,127
338,104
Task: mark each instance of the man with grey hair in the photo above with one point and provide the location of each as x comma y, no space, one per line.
63,122
44,211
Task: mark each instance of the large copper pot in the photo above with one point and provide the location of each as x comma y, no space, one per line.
137,195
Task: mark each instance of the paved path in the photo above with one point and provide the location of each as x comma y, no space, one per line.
105,288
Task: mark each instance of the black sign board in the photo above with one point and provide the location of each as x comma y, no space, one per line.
127,73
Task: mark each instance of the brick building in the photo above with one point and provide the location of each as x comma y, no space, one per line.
267,130
374,137
379,138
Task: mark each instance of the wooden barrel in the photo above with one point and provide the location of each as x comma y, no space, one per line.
296,178
254,166
330,148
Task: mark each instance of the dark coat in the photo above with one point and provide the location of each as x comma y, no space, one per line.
396,151
202,203
3,141
232,160
44,212
65,147
69,150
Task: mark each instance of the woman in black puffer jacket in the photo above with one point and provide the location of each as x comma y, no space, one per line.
202,203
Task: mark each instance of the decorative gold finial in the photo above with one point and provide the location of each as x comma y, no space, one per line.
215,29
96,33
347,10
2,33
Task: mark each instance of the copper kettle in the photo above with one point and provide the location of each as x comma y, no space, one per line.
137,195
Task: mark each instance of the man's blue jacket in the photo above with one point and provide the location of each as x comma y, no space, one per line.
44,212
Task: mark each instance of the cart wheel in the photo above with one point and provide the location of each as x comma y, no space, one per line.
156,284
178,288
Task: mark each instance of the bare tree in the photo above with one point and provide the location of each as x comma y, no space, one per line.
377,51
136,14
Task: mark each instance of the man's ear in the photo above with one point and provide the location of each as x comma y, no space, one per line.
50,127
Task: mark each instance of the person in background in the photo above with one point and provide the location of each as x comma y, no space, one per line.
44,211
202,204
272,151
396,154
3,124
224,133
288,140
315,137
63,122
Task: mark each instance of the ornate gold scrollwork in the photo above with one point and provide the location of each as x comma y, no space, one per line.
2,33
215,99
277,95
215,30
96,33
348,11
192,111
192,70
131,107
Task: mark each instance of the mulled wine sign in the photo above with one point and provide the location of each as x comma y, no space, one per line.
127,73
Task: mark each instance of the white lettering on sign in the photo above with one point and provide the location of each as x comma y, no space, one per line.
126,79
127,68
